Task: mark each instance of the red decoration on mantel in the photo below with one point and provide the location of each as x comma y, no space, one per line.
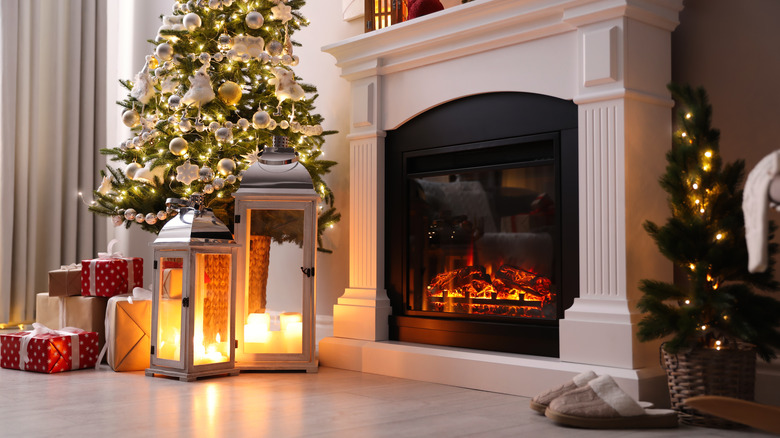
418,8
50,352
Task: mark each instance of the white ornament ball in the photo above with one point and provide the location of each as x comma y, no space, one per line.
254,20
204,57
164,51
208,189
178,146
218,183
213,126
137,141
218,57
295,127
261,120
226,166
117,220
140,218
146,136
199,126
284,124
265,57
286,59
174,101
206,174
243,124
229,125
227,3
223,135
215,4
131,169
318,129
224,41
151,219
185,125
130,214
230,179
272,124
191,21
131,118
161,215
245,57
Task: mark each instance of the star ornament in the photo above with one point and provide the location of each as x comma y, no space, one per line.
281,12
187,173
252,157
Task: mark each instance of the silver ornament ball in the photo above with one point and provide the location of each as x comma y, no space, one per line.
208,189
161,215
151,219
164,51
284,124
199,126
185,125
140,218
206,174
254,20
275,48
223,135
230,179
174,101
243,124
130,214
261,120
218,183
191,21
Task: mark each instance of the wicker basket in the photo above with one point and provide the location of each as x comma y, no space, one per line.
730,373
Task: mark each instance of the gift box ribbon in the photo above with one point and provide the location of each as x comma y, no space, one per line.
109,255
71,267
40,329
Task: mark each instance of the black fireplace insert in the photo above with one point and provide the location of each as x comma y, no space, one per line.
481,220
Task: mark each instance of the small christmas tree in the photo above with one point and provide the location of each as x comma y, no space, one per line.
217,87
717,306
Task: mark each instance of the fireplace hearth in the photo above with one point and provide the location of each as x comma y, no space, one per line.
484,251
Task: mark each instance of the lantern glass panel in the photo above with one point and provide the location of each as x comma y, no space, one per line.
170,309
212,308
274,291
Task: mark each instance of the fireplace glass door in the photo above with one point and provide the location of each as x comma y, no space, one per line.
481,242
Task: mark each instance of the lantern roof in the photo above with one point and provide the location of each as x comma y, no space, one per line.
194,225
278,168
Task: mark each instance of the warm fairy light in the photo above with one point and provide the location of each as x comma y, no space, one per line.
725,317
330,226
695,186
692,267
684,134
717,342
704,327
688,116
706,167
719,236
697,202
687,301
21,326
701,211
708,154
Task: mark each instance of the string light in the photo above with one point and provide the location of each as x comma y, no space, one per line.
692,267
704,327
687,301
688,116
719,236
708,154
695,186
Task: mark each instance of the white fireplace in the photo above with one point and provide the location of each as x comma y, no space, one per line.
610,57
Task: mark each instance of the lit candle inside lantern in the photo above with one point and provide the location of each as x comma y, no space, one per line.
257,328
292,330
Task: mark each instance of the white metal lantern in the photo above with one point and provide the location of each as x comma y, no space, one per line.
193,315
276,227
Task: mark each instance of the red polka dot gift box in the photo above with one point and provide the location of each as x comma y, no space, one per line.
111,274
44,350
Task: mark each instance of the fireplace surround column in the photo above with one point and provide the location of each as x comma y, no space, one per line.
362,312
624,133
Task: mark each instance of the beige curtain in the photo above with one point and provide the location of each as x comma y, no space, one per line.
52,125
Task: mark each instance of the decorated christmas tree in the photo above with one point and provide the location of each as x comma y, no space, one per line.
718,304
217,86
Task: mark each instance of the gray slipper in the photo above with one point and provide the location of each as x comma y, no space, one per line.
601,404
541,401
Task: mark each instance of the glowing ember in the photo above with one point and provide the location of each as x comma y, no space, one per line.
513,292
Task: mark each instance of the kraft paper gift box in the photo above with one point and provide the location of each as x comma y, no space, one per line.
65,281
171,287
128,332
45,350
87,313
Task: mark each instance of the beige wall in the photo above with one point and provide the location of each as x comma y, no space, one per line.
732,48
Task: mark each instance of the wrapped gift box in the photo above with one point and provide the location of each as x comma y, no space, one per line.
107,277
171,287
45,350
87,313
65,281
128,332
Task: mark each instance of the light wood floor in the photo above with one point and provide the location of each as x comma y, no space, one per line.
331,403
